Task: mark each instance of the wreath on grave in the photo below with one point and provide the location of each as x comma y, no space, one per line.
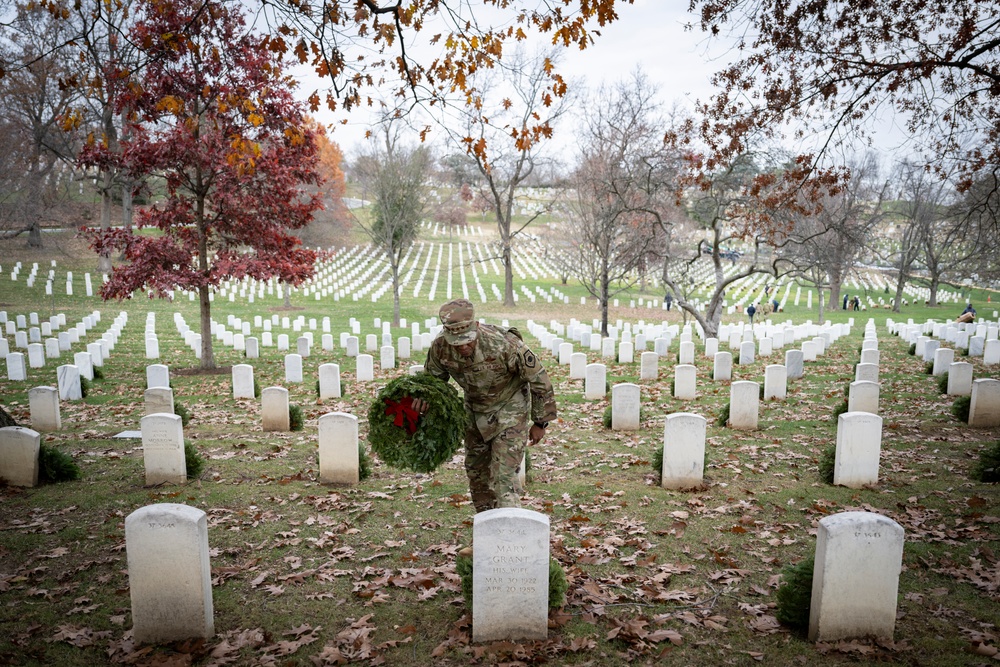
402,438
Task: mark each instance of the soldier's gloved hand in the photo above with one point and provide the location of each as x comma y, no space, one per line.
420,405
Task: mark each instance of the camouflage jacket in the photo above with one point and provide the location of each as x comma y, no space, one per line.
503,382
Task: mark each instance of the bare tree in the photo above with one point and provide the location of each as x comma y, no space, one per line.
618,188
393,175
824,246
719,203
35,117
922,202
108,61
514,105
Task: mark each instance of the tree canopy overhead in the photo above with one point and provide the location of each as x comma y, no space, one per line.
933,66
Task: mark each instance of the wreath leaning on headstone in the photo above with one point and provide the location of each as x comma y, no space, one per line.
402,438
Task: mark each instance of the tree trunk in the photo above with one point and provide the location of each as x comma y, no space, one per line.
508,275
205,308
835,286
34,234
820,315
935,283
394,267
104,259
605,291
286,292
900,282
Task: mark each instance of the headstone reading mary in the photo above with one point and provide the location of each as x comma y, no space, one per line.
510,576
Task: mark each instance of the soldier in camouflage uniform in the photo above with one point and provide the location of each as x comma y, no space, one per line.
505,386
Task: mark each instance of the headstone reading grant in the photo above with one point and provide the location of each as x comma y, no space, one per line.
19,456
338,449
43,402
683,451
169,573
625,407
859,444
163,449
274,409
510,575
856,577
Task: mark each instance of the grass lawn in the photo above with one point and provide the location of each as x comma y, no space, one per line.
306,574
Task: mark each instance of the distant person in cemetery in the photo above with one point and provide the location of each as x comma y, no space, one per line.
845,301
857,302
507,393
751,311
776,305
968,315
668,299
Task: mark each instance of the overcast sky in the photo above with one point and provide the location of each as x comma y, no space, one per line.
649,34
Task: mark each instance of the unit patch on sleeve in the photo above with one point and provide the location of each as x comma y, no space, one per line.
529,359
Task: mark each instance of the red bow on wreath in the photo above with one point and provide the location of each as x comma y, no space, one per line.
405,416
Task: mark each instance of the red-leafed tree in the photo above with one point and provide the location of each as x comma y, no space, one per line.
213,115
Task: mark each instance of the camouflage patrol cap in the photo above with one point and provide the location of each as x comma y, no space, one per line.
459,322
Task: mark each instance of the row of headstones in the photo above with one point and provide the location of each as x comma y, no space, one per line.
984,408
980,339
858,448
28,332
251,345
30,281
163,441
68,375
738,338
858,561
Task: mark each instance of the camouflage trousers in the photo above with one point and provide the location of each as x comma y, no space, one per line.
492,466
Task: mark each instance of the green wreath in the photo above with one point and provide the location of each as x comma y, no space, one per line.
401,438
